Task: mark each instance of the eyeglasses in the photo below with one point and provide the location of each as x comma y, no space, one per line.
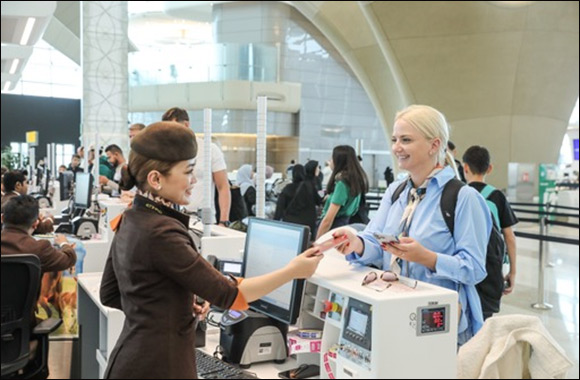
373,281
379,283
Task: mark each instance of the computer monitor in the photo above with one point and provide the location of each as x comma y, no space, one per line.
83,190
270,245
65,181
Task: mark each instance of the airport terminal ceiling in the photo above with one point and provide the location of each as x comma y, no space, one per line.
506,77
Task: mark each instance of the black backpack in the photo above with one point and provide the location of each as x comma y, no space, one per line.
491,288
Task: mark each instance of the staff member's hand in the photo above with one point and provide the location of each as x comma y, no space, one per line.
201,310
353,244
305,264
411,250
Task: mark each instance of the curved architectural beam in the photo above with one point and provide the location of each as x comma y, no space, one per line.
506,78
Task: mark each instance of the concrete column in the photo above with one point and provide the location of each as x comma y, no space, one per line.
105,74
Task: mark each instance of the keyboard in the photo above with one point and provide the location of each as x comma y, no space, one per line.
209,367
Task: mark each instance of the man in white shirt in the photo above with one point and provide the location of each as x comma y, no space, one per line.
218,169
117,160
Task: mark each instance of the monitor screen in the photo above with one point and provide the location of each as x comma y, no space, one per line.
65,180
83,190
270,245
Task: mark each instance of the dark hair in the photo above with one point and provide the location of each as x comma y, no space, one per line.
4,170
298,173
477,158
76,156
11,179
114,149
310,169
450,145
137,127
21,211
135,173
175,114
347,169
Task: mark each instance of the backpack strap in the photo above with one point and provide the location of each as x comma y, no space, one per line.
486,193
487,190
398,191
449,201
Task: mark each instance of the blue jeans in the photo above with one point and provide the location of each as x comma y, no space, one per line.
463,337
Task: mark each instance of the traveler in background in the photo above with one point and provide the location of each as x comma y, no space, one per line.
289,169
347,183
313,174
326,174
4,171
477,164
427,251
15,184
218,169
297,202
105,168
389,176
117,160
75,164
134,129
245,180
451,147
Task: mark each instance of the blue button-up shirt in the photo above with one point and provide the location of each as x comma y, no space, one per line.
460,258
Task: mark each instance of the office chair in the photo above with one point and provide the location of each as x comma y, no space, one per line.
20,289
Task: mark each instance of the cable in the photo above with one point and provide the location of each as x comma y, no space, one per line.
211,321
219,352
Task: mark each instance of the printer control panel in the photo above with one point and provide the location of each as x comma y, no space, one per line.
232,317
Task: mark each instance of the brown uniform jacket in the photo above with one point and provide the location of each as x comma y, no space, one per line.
16,241
152,274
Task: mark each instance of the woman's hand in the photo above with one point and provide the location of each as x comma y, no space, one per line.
411,250
201,310
353,244
305,264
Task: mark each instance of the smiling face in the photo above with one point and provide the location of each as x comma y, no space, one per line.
176,186
413,151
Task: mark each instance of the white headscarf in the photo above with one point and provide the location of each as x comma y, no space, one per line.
244,178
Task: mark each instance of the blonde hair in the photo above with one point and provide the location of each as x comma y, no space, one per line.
431,124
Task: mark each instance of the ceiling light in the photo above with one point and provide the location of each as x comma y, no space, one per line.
6,86
27,30
14,66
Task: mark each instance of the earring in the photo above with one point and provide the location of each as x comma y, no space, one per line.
158,187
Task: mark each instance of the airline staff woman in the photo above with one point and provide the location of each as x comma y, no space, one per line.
153,270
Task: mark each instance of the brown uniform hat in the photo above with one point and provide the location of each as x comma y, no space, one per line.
166,141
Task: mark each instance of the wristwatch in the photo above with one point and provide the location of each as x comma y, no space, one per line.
226,223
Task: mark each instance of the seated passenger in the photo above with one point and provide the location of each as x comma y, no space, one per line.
20,219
